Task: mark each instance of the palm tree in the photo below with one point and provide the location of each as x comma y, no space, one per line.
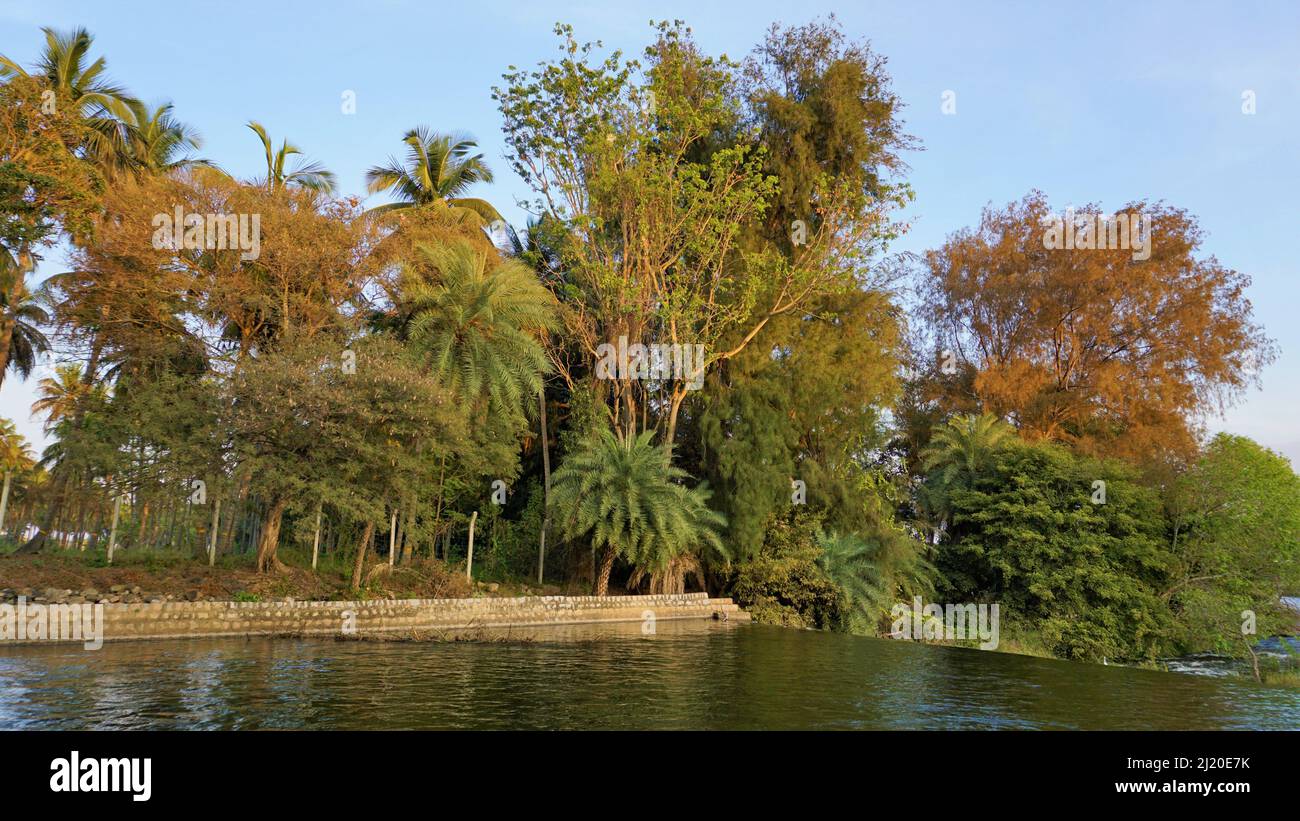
437,171
873,572
312,175
15,457
958,452
474,323
21,314
60,396
107,109
626,495
160,143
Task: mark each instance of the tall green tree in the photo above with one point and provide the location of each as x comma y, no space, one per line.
438,170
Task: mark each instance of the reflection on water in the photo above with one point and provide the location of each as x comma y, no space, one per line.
687,675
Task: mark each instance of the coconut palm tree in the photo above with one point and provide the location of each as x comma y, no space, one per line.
958,452
160,143
437,171
21,315
15,457
625,495
309,175
107,109
59,396
474,323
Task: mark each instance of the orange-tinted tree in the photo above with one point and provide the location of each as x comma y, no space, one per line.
1097,347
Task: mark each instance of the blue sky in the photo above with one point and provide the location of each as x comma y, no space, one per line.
1105,102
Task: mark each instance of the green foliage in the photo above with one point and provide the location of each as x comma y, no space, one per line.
1025,533
1235,522
438,169
785,582
625,496
473,321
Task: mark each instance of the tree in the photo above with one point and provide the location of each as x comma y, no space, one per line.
311,176
1080,573
959,452
104,107
624,495
1235,538
21,315
1095,347
59,397
438,170
475,319
160,143
653,206
15,457
309,430
874,574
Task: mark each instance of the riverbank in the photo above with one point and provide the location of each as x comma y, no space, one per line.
484,618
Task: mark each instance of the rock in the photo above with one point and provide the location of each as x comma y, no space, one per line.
51,593
156,600
135,589
193,595
90,593
493,587
119,588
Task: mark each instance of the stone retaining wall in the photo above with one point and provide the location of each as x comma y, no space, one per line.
170,620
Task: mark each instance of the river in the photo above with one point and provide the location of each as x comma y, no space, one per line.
687,675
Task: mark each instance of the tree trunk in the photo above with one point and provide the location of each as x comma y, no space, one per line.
4,499
270,539
602,573
216,531
392,539
112,532
546,490
315,542
678,396
469,561
360,563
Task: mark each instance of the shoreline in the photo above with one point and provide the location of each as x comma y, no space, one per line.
362,619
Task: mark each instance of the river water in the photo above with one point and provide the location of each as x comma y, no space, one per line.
687,675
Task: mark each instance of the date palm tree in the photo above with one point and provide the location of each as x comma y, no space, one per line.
107,109
626,496
959,451
309,175
438,170
475,323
